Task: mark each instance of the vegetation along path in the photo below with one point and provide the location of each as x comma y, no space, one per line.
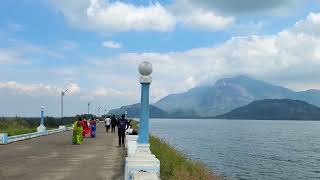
54,157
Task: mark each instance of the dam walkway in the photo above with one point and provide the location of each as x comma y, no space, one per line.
53,157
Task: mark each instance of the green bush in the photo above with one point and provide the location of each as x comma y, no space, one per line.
19,125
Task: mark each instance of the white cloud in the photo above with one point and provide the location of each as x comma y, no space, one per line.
37,89
118,16
111,44
196,17
290,57
206,20
8,56
107,16
102,91
73,88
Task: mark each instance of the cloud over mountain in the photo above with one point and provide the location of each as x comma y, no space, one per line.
290,58
242,6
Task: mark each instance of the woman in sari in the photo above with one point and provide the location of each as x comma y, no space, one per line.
93,126
85,127
77,132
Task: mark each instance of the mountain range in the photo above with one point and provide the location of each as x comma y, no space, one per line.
225,95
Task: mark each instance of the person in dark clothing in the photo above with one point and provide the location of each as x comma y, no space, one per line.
123,125
113,123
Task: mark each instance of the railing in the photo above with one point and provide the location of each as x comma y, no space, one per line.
24,136
5,139
53,131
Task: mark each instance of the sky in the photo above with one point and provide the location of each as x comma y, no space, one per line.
94,47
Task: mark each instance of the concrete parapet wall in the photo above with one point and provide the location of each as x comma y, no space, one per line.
140,164
144,176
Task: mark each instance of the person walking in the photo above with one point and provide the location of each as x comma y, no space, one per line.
122,127
77,132
113,123
107,122
93,127
85,127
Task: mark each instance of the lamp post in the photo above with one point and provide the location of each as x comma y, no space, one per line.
89,106
99,111
143,160
41,127
42,116
145,70
63,93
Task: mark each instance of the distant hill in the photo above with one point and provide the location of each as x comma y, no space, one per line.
275,109
225,95
134,111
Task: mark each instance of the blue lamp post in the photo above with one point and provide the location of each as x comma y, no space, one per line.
42,116
145,69
142,160
41,127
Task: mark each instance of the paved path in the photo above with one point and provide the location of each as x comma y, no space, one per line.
53,157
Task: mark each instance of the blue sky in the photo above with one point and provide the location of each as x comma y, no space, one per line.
93,47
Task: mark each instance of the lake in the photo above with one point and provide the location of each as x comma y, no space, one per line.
247,149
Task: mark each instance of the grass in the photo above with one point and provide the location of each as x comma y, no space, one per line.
17,125
175,165
15,131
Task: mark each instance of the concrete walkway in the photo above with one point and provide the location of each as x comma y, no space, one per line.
53,157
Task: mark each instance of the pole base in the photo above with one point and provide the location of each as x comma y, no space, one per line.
42,129
142,161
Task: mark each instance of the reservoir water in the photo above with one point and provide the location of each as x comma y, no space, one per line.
247,149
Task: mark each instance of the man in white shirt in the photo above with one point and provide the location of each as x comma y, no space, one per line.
107,122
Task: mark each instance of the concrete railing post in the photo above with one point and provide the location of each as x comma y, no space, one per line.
3,138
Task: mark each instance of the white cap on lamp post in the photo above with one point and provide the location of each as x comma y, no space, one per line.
145,70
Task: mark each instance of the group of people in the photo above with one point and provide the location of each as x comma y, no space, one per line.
111,122
122,124
81,128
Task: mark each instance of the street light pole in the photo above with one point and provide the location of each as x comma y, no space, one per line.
89,107
63,93
99,111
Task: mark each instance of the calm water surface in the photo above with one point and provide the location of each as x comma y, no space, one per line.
247,149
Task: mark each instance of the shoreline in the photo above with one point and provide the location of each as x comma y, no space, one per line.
174,164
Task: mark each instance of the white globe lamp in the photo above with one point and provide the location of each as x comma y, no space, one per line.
145,68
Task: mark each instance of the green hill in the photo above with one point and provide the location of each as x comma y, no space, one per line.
275,109
224,95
